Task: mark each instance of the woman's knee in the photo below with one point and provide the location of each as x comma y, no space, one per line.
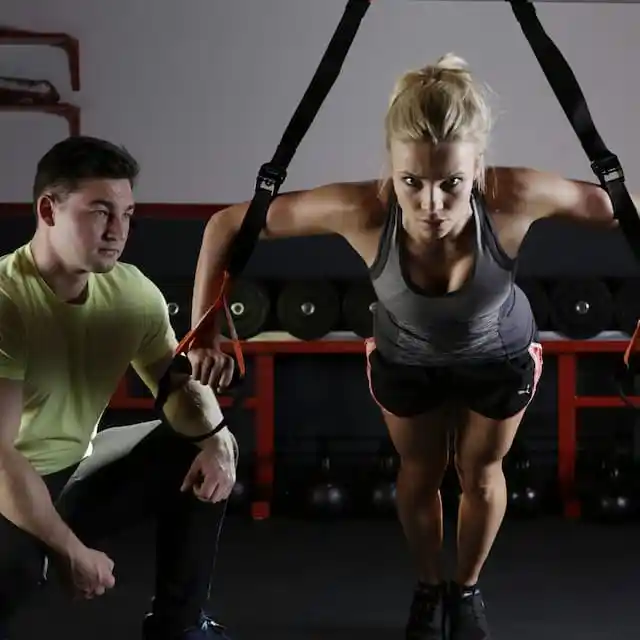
422,443
423,474
480,479
481,445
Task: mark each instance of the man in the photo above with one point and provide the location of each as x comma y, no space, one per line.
72,319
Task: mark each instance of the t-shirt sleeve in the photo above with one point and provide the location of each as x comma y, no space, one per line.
13,344
158,338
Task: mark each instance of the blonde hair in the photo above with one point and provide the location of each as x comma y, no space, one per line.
440,103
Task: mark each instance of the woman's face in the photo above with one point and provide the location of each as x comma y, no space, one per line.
433,185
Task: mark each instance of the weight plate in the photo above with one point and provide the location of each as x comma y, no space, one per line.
250,305
538,298
308,310
581,308
177,294
627,305
357,308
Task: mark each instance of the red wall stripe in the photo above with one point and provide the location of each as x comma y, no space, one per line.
160,210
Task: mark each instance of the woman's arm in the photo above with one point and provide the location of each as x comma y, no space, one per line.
342,208
533,195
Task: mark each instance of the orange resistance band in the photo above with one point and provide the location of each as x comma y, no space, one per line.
207,319
632,346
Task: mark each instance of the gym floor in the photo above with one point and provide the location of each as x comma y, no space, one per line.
294,580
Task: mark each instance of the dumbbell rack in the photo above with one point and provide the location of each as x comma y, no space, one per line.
262,402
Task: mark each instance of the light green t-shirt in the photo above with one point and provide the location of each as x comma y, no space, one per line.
71,357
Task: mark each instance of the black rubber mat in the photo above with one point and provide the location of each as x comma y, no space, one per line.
288,580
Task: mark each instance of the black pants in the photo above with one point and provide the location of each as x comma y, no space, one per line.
121,484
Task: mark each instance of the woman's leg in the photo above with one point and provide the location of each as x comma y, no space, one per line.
497,401
498,397
481,445
422,445
414,405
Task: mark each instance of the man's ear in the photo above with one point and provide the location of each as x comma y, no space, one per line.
45,210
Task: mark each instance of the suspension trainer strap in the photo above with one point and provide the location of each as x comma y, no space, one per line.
270,178
604,163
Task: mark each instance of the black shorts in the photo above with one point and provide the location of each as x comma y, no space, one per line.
495,390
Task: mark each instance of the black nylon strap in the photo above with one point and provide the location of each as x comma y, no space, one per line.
604,163
206,436
273,174
179,365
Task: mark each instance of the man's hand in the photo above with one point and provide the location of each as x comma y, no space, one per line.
213,471
88,572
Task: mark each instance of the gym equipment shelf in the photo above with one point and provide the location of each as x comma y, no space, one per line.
69,44
262,402
69,112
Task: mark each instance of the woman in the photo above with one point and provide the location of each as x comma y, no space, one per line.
455,340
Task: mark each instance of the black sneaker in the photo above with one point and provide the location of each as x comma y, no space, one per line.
205,629
426,616
466,613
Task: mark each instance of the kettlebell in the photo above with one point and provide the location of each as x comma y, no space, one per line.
327,496
382,498
523,493
614,496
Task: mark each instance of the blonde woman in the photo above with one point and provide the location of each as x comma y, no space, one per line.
455,345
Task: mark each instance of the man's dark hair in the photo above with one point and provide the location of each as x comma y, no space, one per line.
79,158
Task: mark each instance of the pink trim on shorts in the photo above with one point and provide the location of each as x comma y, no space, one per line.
535,351
370,347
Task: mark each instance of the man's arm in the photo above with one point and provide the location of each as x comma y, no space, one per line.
192,409
24,497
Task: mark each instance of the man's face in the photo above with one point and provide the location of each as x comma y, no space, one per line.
88,228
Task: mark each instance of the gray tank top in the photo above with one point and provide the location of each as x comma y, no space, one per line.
489,318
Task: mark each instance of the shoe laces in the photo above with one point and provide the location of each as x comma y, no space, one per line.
473,604
424,605
206,624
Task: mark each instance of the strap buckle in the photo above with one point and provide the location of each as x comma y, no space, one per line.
608,169
270,178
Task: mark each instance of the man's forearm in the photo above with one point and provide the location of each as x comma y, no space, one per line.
193,410
25,501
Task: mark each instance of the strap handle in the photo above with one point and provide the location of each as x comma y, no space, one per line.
268,183
604,163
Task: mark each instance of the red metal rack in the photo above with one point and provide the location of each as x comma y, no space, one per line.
262,403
